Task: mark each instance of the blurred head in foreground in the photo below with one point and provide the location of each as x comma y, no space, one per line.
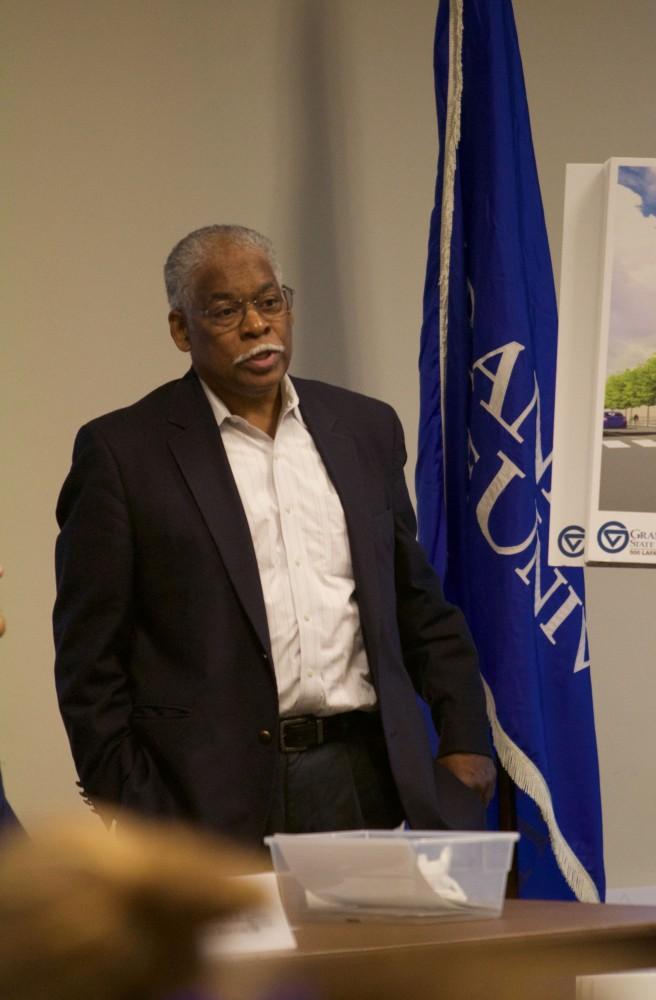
84,914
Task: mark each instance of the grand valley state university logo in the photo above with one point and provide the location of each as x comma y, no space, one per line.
571,540
613,536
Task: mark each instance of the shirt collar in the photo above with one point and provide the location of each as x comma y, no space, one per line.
290,403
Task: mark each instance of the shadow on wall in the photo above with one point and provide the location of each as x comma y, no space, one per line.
315,151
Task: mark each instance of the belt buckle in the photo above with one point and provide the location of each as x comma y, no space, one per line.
286,724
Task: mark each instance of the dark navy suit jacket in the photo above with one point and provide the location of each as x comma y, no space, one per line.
164,672
7,816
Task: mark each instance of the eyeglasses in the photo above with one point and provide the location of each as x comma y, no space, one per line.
227,314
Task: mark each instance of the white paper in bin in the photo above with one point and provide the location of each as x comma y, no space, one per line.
381,873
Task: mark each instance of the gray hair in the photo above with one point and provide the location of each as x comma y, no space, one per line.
191,252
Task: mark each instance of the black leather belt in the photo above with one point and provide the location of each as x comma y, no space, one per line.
302,732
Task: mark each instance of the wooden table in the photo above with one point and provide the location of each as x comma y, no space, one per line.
534,951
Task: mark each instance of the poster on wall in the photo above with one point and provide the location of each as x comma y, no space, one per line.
622,517
603,507
578,339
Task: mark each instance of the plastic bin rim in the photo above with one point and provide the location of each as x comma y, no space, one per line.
459,836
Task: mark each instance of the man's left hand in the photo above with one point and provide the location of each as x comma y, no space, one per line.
474,770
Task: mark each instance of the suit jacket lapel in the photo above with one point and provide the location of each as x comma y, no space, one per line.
338,452
197,448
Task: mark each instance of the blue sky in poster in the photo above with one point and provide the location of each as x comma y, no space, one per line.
642,181
632,332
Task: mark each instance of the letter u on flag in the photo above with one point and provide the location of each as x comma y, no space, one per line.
487,378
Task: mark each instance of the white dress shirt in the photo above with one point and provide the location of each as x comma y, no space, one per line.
301,544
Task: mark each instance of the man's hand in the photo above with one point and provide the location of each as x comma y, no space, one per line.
474,770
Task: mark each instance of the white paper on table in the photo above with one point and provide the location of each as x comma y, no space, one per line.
257,930
636,985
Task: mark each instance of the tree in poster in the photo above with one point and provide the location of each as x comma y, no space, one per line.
633,387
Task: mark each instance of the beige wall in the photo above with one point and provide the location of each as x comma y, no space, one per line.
130,124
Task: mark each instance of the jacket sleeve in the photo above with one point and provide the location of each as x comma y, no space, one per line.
438,650
93,629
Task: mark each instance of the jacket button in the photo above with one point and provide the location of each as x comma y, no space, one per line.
264,736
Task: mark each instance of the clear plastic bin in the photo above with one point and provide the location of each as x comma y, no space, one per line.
380,874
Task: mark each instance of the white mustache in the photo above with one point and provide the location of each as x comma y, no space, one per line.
259,349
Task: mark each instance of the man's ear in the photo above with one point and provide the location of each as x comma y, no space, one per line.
178,328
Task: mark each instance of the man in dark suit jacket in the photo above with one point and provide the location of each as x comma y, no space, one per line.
182,693
7,816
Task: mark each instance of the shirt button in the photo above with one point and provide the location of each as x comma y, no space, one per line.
264,736
287,510
297,562
310,673
306,618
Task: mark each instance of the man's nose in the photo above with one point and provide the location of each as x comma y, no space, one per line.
253,324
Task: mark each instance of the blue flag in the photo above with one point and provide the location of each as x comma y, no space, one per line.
487,379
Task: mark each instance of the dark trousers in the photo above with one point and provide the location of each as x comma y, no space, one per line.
342,785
